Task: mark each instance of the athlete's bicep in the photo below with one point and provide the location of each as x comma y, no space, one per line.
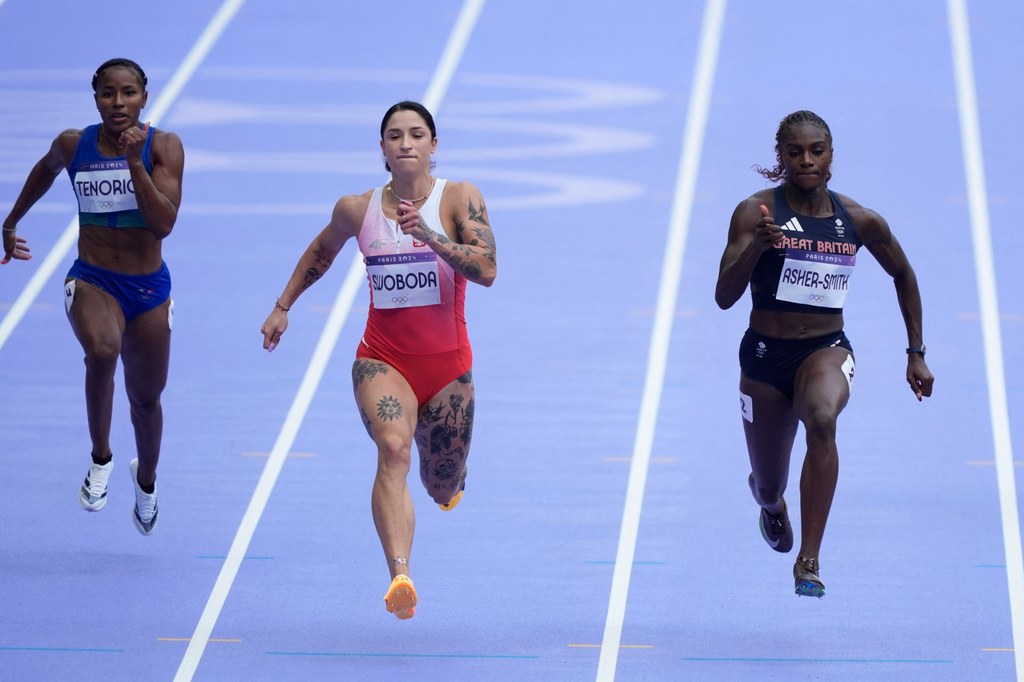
741,231
472,223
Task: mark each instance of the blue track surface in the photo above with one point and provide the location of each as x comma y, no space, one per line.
571,117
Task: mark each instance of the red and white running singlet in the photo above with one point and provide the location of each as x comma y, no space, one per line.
417,301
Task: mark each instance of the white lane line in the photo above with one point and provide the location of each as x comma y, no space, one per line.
163,103
452,54
984,266
679,225
436,91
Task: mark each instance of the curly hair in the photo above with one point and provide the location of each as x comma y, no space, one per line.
778,173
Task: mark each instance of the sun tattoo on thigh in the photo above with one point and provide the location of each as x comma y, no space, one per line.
389,409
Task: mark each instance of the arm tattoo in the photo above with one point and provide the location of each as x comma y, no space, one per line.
464,267
478,215
323,263
312,275
460,256
322,259
450,255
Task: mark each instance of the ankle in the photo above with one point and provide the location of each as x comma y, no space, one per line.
399,566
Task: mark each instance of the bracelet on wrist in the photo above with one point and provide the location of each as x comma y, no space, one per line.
10,229
277,304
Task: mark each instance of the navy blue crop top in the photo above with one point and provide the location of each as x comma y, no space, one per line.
810,270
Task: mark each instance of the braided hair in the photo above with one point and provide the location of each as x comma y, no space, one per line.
122,62
796,118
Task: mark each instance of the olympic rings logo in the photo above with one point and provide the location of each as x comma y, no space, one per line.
816,298
105,204
399,299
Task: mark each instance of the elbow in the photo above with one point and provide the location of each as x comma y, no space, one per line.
160,225
161,230
487,274
723,300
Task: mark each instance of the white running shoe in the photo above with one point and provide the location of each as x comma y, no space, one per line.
93,493
144,514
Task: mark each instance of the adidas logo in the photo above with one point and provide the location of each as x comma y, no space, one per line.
793,225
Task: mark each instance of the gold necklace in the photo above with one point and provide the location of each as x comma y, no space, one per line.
413,201
113,140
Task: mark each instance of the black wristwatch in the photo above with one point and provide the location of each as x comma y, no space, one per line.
917,349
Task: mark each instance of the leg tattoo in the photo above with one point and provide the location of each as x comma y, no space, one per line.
367,370
389,409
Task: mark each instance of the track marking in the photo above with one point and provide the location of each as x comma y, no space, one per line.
660,460
62,649
353,281
990,463
984,266
290,455
679,224
759,659
366,654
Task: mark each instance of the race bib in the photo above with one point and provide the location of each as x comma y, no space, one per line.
105,190
404,280
818,279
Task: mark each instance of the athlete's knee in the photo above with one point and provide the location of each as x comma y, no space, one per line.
768,495
443,477
393,451
441,495
101,355
442,490
144,406
820,425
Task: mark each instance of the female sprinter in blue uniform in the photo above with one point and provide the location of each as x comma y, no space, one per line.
127,179
795,246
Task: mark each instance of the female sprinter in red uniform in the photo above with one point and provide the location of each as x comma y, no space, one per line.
422,239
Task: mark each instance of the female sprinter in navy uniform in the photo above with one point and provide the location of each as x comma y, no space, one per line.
795,246
127,178
422,238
